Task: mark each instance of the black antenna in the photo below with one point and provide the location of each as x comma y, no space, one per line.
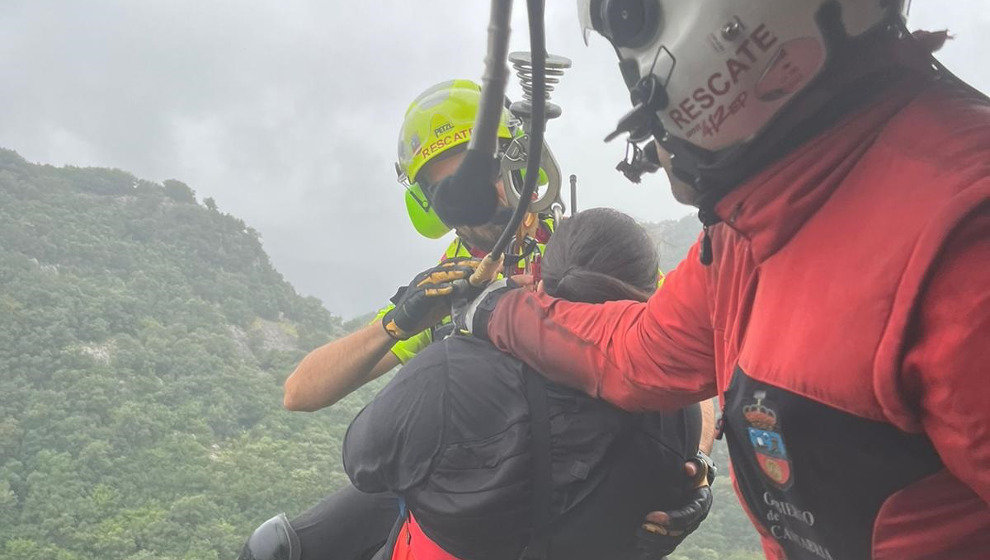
573,194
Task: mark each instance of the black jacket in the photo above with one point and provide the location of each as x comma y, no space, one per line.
451,434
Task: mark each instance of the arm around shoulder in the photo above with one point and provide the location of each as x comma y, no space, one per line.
657,355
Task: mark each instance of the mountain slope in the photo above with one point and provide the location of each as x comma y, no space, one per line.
674,238
143,342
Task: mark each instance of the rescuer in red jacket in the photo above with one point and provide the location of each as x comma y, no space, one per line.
838,301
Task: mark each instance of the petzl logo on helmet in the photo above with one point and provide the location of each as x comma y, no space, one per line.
442,128
439,125
767,442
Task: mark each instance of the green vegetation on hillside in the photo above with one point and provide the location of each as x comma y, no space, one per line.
143,342
144,339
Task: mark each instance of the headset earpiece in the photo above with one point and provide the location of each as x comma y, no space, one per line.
422,215
626,23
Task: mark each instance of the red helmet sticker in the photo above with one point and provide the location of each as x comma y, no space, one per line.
794,63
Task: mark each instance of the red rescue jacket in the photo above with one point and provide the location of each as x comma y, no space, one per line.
413,544
845,325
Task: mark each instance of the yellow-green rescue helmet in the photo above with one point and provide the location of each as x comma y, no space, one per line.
438,119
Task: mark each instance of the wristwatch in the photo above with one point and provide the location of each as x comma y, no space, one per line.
703,459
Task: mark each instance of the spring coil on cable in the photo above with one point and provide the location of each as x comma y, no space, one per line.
522,63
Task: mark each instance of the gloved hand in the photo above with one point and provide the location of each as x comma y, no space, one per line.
663,531
472,309
427,299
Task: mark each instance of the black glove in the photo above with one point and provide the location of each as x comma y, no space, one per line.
654,540
472,308
426,300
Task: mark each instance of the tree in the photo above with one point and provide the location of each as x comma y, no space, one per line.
178,191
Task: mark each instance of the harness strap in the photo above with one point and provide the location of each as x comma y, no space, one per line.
539,425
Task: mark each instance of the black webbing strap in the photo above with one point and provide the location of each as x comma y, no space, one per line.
539,426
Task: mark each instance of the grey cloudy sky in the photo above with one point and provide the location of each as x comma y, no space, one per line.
287,112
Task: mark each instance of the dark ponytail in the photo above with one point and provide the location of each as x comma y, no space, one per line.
600,255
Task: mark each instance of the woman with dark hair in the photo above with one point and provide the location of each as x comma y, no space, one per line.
493,461
585,262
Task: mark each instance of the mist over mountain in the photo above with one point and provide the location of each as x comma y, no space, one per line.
674,238
144,339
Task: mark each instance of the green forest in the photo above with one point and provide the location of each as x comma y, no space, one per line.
144,338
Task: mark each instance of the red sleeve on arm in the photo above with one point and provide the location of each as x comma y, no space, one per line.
947,365
639,356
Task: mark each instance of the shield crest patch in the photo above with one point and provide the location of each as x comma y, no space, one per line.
767,442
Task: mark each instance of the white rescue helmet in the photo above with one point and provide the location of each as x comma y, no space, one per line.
716,72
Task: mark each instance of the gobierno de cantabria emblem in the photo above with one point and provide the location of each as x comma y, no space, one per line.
765,437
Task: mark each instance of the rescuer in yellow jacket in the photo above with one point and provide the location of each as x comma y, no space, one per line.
432,142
